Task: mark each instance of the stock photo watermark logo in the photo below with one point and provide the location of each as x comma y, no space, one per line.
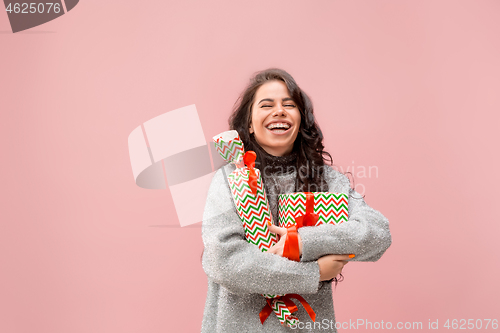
356,172
359,172
26,15
171,151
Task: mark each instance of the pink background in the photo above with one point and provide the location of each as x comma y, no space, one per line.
411,87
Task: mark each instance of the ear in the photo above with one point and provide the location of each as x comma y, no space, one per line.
250,129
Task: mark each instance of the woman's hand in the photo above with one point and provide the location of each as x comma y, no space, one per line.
331,265
278,247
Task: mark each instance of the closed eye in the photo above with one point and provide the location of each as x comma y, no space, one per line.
286,105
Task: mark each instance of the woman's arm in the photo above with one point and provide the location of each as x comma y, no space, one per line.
239,266
366,233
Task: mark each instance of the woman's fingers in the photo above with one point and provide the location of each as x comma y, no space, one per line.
340,257
331,265
278,247
277,230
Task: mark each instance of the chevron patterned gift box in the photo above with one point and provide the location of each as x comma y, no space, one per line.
329,207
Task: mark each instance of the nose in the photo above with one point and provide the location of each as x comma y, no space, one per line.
280,110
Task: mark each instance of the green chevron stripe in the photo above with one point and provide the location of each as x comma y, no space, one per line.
255,208
255,230
319,207
229,151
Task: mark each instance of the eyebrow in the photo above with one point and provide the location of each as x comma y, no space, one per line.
272,100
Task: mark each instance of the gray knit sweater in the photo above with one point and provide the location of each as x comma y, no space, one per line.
238,272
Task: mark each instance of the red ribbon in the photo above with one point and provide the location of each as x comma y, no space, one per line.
249,160
291,247
267,309
309,219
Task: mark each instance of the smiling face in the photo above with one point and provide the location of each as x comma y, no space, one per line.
275,118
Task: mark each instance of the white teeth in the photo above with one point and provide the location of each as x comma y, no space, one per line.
279,125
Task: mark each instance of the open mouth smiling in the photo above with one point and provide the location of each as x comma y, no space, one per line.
279,127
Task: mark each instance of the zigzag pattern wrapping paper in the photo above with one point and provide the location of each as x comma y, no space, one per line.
331,207
229,146
283,313
253,210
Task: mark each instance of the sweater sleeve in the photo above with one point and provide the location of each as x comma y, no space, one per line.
240,267
366,233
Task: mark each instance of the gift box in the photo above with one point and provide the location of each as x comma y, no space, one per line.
312,208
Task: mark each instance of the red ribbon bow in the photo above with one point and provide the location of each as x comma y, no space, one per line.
249,160
267,309
291,246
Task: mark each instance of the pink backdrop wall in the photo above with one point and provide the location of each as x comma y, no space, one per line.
409,87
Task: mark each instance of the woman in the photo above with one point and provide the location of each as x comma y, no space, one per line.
274,118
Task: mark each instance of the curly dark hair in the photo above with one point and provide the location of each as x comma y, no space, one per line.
309,143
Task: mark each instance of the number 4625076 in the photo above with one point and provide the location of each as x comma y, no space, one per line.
32,8
471,324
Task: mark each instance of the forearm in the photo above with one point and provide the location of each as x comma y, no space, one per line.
366,234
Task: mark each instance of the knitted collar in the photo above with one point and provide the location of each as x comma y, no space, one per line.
276,165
